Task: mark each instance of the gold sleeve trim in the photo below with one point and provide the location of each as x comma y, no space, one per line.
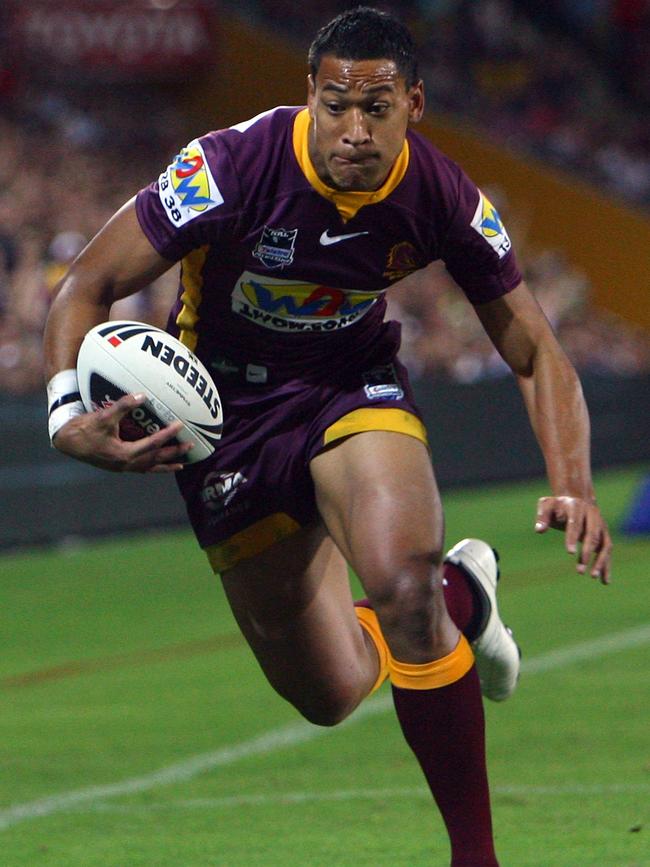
192,283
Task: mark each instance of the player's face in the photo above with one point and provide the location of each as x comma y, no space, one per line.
359,110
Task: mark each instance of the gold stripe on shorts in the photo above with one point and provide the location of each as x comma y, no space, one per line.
376,418
251,541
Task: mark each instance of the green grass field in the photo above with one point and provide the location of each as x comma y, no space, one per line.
137,730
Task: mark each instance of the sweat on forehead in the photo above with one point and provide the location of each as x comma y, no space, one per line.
342,74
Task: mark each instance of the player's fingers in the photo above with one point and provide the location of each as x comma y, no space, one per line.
172,454
574,527
153,442
150,463
165,468
544,514
584,526
116,411
591,538
602,564
554,512
145,461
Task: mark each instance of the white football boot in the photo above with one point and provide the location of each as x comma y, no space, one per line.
496,652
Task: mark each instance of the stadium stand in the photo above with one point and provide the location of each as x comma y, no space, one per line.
45,219
484,59
84,143
49,210
562,80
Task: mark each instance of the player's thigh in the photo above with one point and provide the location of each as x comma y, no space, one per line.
378,496
293,603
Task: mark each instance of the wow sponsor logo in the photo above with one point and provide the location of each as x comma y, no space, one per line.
487,223
291,305
187,189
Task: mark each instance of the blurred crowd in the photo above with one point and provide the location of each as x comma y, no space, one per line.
564,100
67,163
65,169
566,80
443,338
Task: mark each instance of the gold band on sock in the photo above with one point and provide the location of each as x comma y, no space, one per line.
432,675
368,620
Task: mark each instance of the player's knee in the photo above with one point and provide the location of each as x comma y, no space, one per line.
326,716
410,605
326,709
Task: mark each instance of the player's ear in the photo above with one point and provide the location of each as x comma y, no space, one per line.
311,94
416,101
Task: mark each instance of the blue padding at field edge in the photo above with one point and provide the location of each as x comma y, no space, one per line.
637,519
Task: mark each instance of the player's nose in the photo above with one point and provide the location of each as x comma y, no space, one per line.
357,129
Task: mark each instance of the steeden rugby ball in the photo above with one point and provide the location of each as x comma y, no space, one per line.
124,357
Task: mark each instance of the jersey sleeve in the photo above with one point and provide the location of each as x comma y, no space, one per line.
194,201
477,250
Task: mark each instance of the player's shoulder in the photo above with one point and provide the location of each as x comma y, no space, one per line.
429,159
262,131
436,181
269,121
215,176
254,150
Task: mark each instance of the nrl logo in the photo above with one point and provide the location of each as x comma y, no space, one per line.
276,247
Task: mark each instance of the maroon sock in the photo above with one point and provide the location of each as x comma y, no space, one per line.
460,600
445,729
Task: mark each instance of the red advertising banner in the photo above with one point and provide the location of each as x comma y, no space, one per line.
148,37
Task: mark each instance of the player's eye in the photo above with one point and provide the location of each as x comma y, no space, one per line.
379,108
334,107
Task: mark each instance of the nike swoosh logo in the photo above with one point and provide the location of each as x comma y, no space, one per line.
327,239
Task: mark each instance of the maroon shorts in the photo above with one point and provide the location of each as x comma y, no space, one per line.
257,487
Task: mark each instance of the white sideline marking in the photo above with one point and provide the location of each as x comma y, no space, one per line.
635,637
286,736
261,800
290,735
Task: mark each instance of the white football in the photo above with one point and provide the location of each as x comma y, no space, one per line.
124,357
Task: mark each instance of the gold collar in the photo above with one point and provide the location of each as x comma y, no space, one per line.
347,203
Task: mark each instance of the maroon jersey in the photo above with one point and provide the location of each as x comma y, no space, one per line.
287,275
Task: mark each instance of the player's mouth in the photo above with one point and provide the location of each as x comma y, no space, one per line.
355,172
356,160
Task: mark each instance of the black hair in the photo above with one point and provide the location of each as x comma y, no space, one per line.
366,33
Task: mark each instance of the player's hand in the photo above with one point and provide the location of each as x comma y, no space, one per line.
586,533
94,438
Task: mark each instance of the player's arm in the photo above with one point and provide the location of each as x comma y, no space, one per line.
118,262
559,417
